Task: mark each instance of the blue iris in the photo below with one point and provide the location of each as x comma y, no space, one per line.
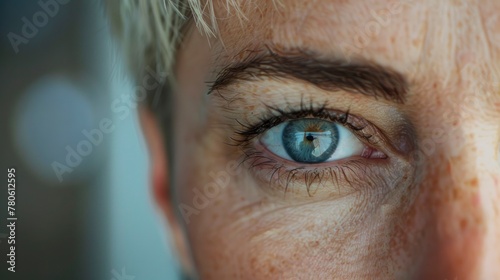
310,140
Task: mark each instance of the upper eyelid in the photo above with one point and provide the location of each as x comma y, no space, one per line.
251,131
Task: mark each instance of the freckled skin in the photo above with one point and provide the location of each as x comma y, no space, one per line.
439,220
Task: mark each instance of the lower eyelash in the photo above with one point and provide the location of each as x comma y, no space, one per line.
279,174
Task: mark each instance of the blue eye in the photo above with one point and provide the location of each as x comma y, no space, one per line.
312,140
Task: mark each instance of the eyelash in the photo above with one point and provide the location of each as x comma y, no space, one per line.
275,116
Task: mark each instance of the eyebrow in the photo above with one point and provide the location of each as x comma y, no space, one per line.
357,76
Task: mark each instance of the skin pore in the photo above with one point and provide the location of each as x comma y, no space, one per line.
430,209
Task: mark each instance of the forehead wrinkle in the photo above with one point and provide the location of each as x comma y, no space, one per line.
328,26
461,29
282,25
491,26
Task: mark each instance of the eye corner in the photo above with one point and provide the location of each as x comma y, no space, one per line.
371,153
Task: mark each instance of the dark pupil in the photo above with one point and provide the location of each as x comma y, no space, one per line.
310,140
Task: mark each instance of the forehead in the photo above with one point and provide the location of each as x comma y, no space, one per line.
438,36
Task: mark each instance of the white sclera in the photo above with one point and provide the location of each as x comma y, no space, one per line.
349,145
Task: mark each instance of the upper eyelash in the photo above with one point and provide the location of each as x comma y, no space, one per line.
276,116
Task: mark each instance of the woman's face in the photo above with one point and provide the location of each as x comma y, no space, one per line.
341,140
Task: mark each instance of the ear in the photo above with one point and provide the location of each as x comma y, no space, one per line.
159,178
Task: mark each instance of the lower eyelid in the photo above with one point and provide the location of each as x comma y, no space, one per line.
324,180
333,179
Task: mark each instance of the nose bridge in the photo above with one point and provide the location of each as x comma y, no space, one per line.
465,207
486,178
473,171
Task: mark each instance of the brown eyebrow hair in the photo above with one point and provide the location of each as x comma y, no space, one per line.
354,75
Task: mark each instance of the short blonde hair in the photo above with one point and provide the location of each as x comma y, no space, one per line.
150,31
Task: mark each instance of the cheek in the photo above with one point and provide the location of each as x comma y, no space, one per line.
238,234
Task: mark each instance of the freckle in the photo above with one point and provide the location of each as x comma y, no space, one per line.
473,182
457,194
463,224
314,244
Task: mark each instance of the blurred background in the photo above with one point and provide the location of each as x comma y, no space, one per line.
70,130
